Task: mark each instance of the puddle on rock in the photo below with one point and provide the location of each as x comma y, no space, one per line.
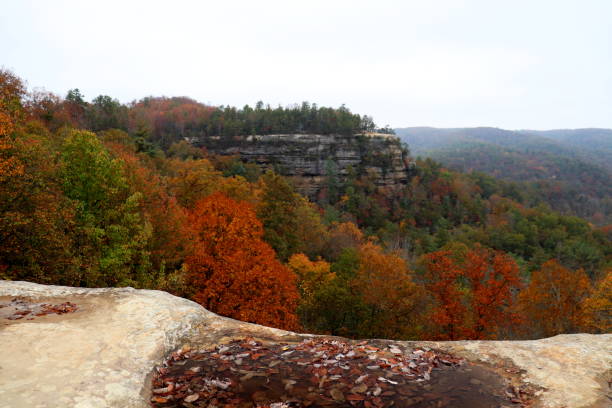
326,373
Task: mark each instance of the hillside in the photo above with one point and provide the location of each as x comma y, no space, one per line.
568,169
84,203
595,144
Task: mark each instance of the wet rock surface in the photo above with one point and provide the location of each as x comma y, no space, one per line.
16,309
105,354
326,372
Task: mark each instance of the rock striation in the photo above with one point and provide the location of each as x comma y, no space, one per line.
104,351
309,159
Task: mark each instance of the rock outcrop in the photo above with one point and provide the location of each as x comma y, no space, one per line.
101,349
308,159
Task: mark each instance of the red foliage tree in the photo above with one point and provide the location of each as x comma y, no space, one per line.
473,293
233,272
441,281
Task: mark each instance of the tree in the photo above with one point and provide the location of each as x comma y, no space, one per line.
76,106
170,236
36,220
441,278
385,284
105,112
312,276
332,183
12,91
473,293
277,212
342,236
191,180
492,278
598,306
337,308
232,271
185,150
553,302
113,234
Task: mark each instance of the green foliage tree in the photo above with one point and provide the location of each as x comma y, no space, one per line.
112,232
277,210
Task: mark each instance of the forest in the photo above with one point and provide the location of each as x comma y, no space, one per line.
102,193
567,169
168,120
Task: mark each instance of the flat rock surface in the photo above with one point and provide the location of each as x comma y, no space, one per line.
575,369
98,356
102,351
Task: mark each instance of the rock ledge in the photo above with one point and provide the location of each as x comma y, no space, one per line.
103,354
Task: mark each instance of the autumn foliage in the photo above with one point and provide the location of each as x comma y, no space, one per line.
232,271
389,292
11,91
474,294
106,194
553,302
597,307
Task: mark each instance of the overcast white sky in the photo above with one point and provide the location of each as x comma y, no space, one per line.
512,64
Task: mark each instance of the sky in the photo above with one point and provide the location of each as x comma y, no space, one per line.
516,64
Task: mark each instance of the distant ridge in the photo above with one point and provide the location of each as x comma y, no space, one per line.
570,169
590,144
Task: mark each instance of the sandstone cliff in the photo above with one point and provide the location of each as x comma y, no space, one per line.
308,158
104,353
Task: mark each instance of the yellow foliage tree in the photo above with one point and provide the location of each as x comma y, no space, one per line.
385,284
312,275
598,307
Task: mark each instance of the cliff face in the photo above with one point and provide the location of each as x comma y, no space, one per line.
104,351
309,159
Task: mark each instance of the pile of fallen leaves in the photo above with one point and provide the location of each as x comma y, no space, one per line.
19,308
314,373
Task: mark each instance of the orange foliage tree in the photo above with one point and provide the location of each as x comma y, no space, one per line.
385,285
598,306
552,303
473,293
232,271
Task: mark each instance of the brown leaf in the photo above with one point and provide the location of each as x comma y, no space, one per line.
336,394
359,389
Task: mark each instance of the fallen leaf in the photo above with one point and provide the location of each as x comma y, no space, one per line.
191,398
160,400
336,394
